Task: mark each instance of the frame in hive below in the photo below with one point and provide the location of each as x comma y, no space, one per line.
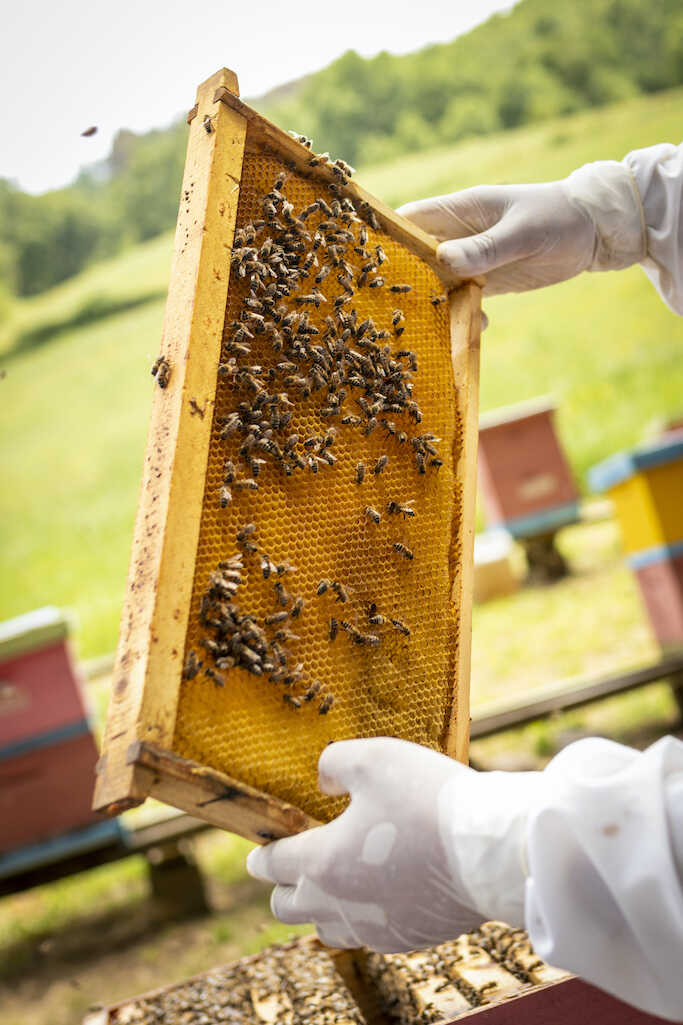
387,376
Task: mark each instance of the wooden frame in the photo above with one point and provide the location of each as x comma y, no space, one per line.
137,759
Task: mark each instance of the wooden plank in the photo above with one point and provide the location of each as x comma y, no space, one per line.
401,229
216,797
565,696
569,1002
465,344
154,619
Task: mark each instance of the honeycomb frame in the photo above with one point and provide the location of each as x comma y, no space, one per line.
148,746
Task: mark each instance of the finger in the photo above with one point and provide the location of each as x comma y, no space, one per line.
503,243
284,861
284,905
346,764
337,934
444,217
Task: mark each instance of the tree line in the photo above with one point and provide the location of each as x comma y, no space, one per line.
534,62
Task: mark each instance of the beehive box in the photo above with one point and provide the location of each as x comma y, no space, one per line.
303,983
302,558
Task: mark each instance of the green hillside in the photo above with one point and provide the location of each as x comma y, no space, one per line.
75,399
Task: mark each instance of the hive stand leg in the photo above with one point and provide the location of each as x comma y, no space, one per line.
176,879
544,560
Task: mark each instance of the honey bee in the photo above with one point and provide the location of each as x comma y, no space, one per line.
381,255
377,282
401,289
377,619
360,473
322,273
334,628
396,507
290,700
213,675
161,371
266,566
403,550
226,497
372,514
363,235
192,666
380,465
401,627
340,591
248,484
325,704
324,586
312,690
283,596
245,532
276,617
297,608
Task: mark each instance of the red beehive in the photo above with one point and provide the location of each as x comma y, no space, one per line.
47,751
524,477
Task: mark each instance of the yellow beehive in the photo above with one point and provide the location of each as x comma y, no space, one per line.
214,708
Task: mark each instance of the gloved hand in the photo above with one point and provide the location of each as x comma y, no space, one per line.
427,849
527,236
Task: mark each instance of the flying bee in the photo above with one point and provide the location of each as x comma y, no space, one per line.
334,628
401,289
192,666
161,371
380,465
226,497
312,690
297,608
372,514
403,550
360,473
246,531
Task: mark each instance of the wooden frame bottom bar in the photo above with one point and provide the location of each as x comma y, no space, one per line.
213,796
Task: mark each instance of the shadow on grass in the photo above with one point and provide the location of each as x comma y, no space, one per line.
95,309
87,937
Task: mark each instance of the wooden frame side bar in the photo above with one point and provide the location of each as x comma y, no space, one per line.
465,305
216,797
154,619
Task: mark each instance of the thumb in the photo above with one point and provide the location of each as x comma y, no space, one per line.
501,244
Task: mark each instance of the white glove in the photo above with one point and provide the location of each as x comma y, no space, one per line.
528,236
426,850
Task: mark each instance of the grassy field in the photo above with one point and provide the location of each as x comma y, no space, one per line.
77,390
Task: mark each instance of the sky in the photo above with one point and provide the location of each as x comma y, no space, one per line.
68,64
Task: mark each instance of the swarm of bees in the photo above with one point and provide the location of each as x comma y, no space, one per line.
357,380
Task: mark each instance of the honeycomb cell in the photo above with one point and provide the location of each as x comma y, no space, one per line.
402,686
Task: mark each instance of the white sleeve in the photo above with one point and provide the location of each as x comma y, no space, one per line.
658,175
604,895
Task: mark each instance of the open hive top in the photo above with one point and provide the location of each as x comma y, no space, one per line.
328,511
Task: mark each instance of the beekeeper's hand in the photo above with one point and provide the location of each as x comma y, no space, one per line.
528,236
426,850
